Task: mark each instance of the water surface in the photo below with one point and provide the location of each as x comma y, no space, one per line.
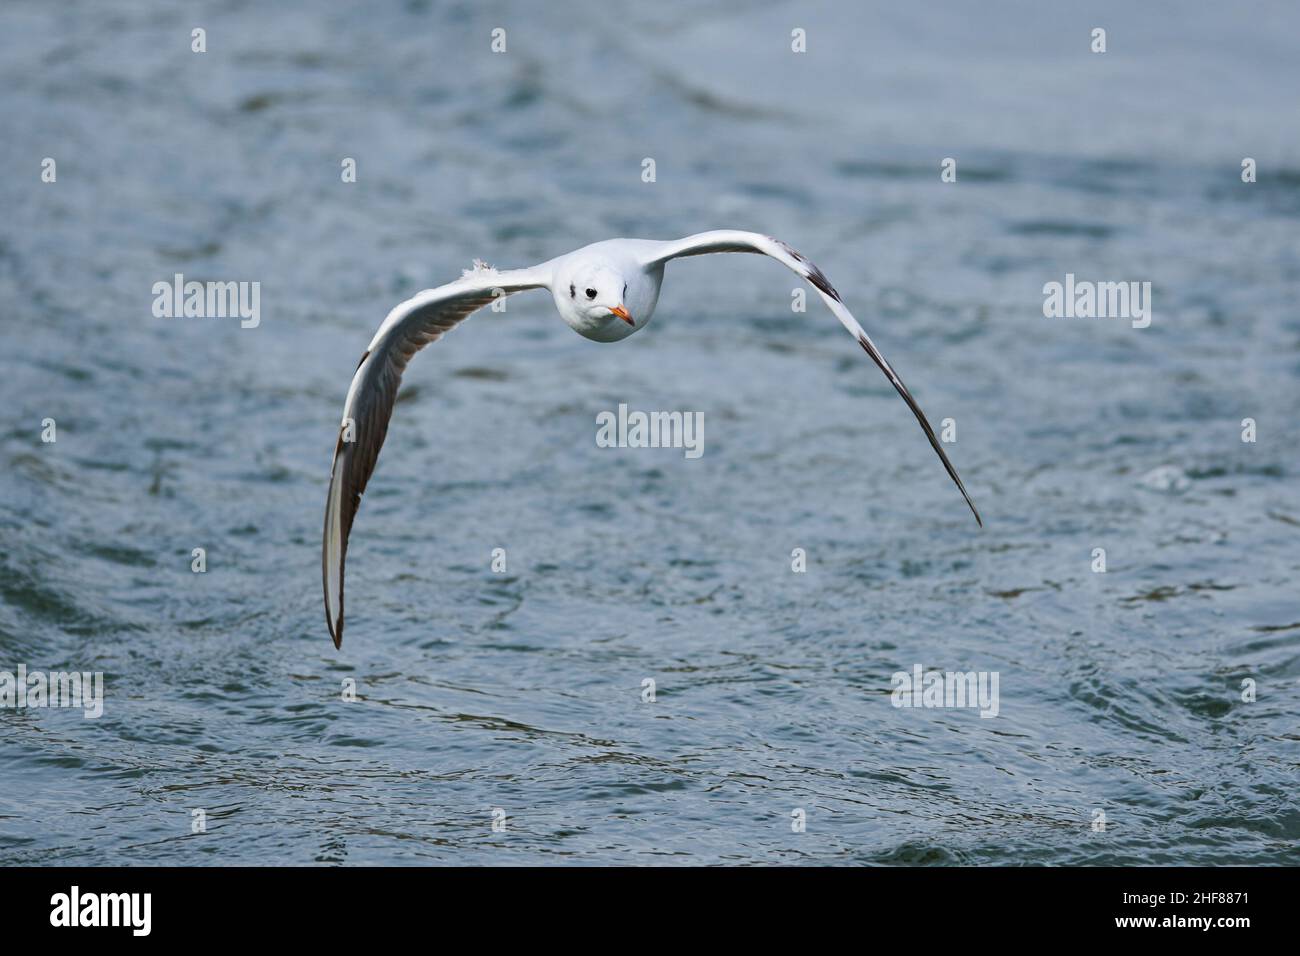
1119,692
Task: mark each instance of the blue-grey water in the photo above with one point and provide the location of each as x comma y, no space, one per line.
1147,714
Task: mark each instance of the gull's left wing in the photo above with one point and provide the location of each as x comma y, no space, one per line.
730,240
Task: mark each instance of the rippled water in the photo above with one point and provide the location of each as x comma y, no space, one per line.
1119,692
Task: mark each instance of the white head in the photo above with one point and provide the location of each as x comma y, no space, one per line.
591,298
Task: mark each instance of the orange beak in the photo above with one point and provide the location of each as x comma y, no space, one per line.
622,313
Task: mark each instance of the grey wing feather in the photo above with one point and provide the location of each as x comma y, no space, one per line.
731,240
415,323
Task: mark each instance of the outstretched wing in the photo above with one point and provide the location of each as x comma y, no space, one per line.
728,240
411,326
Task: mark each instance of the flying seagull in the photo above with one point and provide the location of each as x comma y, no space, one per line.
604,291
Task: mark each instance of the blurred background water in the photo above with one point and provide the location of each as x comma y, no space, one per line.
1120,692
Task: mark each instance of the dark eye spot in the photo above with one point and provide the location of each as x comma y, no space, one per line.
573,294
591,293
625,290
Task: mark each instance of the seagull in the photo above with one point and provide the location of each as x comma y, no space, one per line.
604,292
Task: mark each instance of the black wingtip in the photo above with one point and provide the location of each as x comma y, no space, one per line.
335,628
962,488
924,422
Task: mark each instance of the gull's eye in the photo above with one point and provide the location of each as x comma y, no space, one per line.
591,293
573,294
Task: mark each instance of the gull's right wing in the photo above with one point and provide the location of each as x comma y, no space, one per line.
415,323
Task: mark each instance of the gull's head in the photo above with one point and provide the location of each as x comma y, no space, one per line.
593,301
